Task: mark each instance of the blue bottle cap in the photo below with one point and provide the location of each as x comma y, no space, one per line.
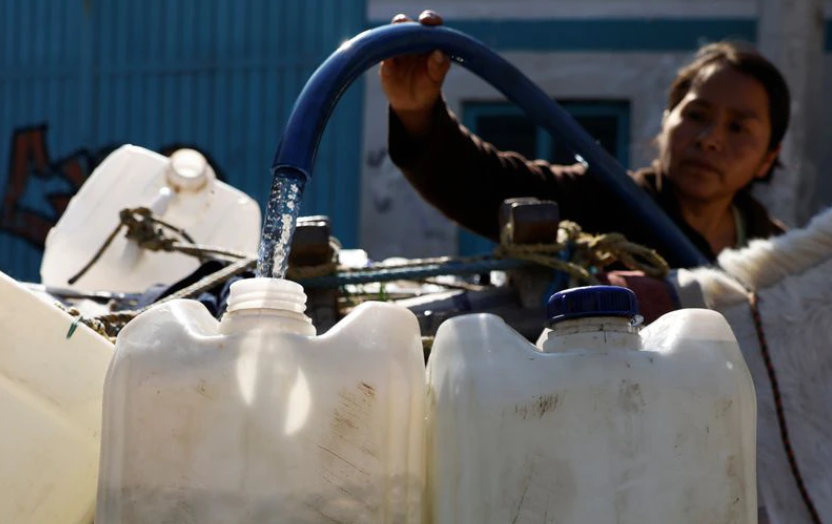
592,301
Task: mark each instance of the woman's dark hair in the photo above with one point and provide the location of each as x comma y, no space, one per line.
744,59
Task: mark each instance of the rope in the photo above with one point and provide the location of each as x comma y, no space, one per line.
208,282
590,250
110,324
389,273
546,254
586,250
141,229
754,301
612,247
605,249
96,325
461,285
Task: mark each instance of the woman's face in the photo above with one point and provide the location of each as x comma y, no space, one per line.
715,141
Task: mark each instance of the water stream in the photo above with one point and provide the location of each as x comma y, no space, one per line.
279,223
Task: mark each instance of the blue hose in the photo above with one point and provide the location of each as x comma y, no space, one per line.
297,149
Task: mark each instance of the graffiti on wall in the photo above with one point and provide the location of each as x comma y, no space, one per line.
38,187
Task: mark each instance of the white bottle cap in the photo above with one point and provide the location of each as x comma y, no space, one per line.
189,171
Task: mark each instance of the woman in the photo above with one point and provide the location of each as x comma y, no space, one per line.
727,112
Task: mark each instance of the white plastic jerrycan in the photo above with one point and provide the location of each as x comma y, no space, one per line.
255,419
182,190
604,424
50,408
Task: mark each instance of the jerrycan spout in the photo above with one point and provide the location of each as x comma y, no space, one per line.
266,304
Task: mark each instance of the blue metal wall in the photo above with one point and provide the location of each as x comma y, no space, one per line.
80,77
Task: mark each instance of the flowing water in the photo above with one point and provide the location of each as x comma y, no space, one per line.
279,224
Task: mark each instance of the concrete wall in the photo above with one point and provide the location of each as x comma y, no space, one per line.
791,34
395,222
823,139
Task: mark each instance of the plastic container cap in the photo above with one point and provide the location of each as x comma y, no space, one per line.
592,301
189,170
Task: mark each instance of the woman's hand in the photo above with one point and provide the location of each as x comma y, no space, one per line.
413,83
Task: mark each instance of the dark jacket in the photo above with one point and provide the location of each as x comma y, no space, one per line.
467,179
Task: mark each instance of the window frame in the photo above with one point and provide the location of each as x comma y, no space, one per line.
471,244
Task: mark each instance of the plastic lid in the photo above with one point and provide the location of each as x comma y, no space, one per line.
592,301
189,170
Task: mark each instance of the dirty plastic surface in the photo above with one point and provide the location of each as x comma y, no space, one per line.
188,197
255,419
50,408
598,425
